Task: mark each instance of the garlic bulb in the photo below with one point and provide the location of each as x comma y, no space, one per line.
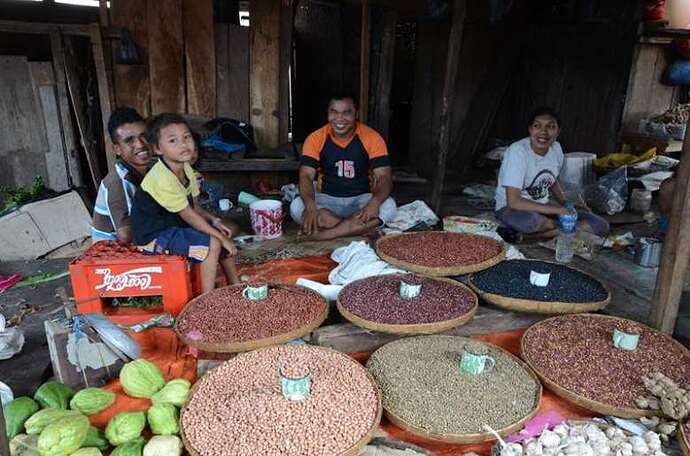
588,439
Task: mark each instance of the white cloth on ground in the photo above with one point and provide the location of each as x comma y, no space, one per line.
357,261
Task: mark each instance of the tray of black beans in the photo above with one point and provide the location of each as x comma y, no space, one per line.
569,290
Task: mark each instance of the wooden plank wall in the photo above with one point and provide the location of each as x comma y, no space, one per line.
132,86
166,56
647,94
264,59
23,143
585,80
200,57
232,71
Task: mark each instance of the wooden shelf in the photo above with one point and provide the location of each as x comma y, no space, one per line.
248,164
663,32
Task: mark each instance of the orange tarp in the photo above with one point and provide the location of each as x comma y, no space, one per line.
162,347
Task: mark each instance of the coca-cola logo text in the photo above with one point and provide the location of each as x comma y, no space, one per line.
139,278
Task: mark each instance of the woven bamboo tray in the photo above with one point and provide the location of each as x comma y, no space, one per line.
543,307
582,401
420,328
447,271
237,347
477,437
684,439
352,451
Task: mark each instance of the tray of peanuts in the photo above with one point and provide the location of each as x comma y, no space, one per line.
244,317
440,253
453,389
606,364
282,401
407,303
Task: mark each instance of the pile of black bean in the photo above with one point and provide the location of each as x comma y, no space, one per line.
512,279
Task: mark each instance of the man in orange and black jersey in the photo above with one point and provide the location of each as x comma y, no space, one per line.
352,193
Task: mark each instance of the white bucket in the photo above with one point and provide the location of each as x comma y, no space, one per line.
267,218
577,172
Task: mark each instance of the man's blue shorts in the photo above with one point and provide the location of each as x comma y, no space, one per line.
186,242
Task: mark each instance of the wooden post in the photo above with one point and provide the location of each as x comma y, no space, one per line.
286,26
381,112
72,159
454,47
364,63
675,256
103,89
264,62
90,148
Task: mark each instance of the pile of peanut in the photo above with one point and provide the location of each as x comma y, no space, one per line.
238,408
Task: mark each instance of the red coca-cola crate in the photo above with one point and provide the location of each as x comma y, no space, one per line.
112,269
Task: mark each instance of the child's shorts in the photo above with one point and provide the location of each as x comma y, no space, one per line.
186,242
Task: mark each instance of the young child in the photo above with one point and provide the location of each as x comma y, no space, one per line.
166,216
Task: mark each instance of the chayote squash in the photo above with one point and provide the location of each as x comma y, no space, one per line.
132,448
54,395
163,419
64,436
141,378
95,439
87,452
174,392
41,419
24,445
16,413
90,401
124,427
164,445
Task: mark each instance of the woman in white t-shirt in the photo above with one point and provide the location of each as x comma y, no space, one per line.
528,196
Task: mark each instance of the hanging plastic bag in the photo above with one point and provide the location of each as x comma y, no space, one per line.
609,194
11,340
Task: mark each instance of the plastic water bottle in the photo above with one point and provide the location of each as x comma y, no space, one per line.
564,243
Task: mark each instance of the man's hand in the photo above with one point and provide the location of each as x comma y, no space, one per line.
582,205
310,221
229,246
370,212
222,227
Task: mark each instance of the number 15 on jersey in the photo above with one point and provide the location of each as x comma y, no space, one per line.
346,168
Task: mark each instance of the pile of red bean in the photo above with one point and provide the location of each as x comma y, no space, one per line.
238,408
224,315
577,353
440,249
111,250
378,299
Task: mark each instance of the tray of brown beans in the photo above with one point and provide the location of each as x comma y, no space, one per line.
239,408
565,290
579,359
440,253
382,303
427,393
684,437
224,320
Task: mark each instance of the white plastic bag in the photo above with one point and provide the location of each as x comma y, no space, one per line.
11,340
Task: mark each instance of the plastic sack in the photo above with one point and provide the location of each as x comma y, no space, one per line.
609,194
11,340
678,73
